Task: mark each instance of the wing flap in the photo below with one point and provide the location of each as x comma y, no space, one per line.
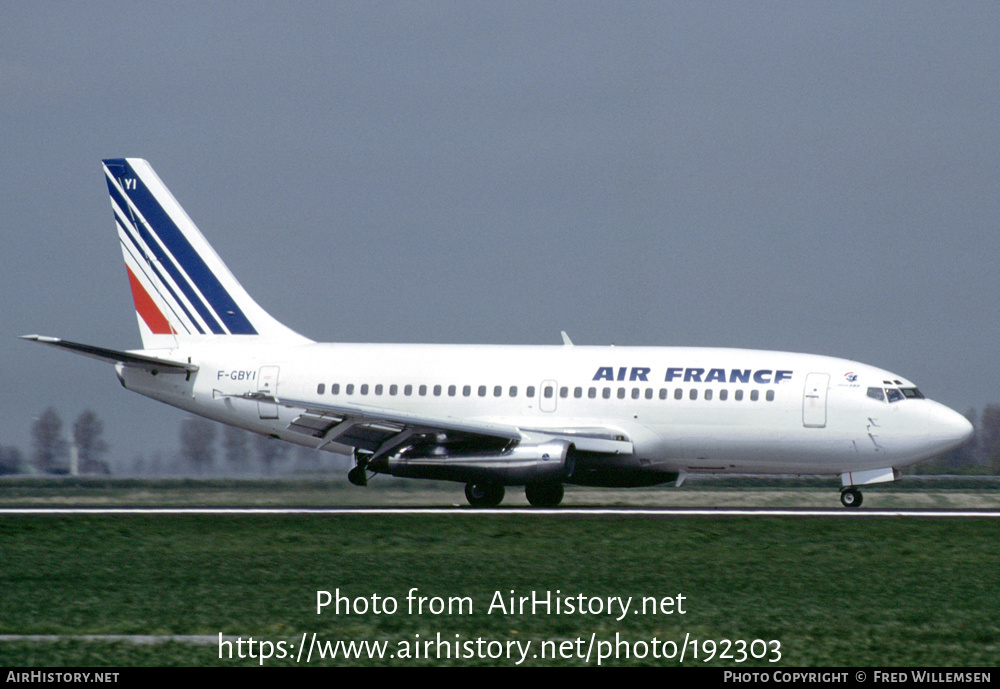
367,426
394,418
590,438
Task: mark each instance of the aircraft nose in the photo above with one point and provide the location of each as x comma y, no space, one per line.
953,428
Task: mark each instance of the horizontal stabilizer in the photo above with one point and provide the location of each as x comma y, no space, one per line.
150,363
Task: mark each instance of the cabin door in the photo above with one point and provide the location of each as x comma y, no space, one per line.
814,400
267,384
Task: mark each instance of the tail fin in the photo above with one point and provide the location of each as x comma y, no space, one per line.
180,286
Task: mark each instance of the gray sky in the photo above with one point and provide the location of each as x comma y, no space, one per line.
805,176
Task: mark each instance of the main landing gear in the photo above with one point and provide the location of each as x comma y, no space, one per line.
851,497
548,494
484,494
544,494
359,474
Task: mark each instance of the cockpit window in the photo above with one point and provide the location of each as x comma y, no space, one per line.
894,394
876,394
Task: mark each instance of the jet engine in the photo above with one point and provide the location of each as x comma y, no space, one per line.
515,466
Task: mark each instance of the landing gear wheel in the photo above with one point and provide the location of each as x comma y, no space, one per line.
484,494
851,497
358,476
544,494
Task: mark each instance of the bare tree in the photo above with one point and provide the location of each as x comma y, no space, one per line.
198,443
49,443
989,436
10,460
270,451
91,448
236,447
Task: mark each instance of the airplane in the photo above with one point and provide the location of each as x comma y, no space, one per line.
538,416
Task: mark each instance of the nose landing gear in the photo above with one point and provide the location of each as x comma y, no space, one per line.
851,497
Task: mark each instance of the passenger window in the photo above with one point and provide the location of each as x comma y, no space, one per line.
754,395
482,391
738,395
378,389
451,391
592,393
364,389
769,396
530,391
694,393
621,393
635,393
513,391
422,390
663,393
723,395
407,390
393,389
497,390
437,390
578,392
649,393
708,394
466,390
564,392
678,394
335,389
321,388
350,389
606,393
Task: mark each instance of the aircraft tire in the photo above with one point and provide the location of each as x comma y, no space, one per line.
484,494
358,476
851,497
544,494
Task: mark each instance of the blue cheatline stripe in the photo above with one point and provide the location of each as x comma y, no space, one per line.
187,257
165,261
158,278
160,225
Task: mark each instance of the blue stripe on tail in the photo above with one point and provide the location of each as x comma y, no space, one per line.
184,256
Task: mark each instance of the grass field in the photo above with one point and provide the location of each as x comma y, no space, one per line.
832,592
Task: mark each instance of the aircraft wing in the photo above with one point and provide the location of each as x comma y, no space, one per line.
150,363
381,431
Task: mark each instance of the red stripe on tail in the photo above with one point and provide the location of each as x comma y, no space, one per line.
147,308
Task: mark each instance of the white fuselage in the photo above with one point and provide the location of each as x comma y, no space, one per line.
683,409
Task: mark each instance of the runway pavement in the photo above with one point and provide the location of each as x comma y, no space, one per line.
460,511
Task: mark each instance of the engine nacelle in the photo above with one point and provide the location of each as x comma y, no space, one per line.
515,467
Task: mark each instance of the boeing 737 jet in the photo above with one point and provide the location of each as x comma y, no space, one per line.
496,416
